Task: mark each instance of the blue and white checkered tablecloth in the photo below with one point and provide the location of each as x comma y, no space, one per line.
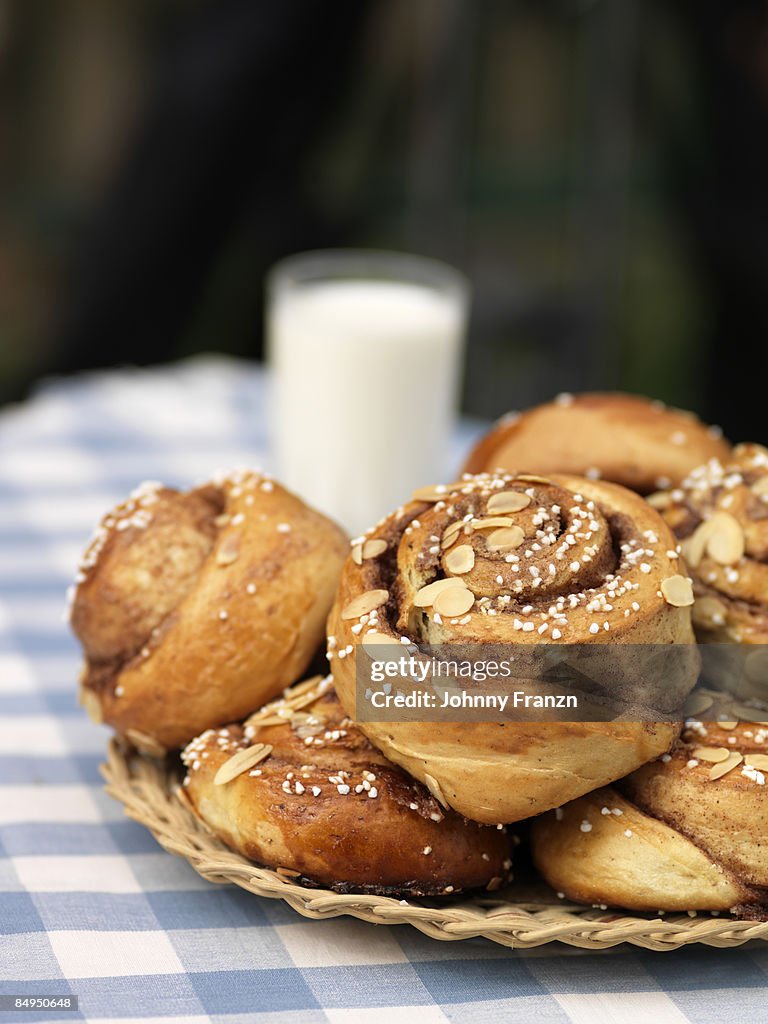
90,905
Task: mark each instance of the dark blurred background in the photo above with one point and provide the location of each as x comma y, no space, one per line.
598,167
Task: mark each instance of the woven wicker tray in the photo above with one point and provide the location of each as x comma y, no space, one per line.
147,790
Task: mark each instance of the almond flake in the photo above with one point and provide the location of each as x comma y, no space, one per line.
450,534
491,521
717,771
92,705
712,755
659,500
374,548
241,762
434,788
531,478
309,685
436,492
709,612
357,554
460,560
760,487
696,703
694,546
677,591
507,501
453,602
759,761
364,603
229,550
378,639
726,539
506,538
727,724
747,714
425,597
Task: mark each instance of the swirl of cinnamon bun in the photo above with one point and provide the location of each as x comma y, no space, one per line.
519,560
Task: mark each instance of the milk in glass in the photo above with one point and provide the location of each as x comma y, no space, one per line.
366,375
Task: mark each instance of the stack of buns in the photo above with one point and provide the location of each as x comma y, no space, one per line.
596,519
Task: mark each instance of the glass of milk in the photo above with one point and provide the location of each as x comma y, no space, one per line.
366,351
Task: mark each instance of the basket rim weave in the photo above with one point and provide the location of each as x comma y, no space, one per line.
147,790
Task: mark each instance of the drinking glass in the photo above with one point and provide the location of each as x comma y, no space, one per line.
365,349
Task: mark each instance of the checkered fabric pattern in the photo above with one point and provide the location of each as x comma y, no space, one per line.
90,905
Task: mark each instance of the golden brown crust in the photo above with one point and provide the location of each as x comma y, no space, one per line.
195,608
720,514
605,586
325,804
686,839
624,438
